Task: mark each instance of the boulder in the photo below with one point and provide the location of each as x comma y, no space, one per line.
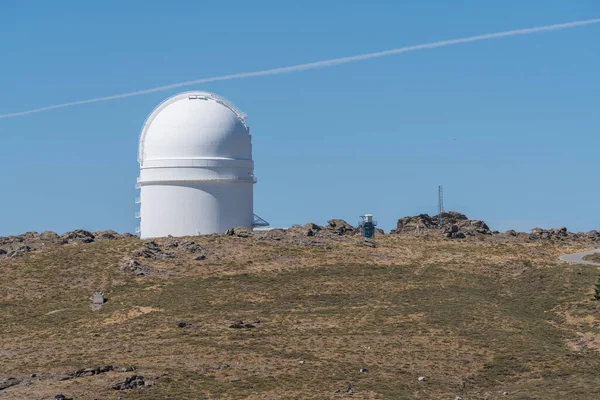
239,231
275,234
550,234
340,227
132,382
369,243
106,235
79,373
452,222
134,268
190,247
49,236
413,224
153,251
8,382
18,251
310,229
78,236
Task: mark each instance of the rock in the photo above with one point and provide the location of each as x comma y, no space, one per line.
49,236
505,393
239,231
413,224
452,222
18,251
135,268
2,252
151,250
550,234
86,372
61,396
421,378
458,398
364,370
219,367
184,325
186,246
310,229
510,232
302,362
275,234
456,235
127,369
340,227
97,300
78,236
190,247
171,242
106,235
8,382
200,257
132,382
369,243
237,325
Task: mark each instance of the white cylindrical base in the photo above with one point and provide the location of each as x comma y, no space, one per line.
194,208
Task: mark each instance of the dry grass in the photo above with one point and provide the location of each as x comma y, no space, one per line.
593,257
476,318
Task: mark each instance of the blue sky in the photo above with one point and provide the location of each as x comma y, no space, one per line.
510,126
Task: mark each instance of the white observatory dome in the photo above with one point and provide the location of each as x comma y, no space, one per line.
196,168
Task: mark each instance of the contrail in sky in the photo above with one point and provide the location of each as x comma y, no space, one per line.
314,65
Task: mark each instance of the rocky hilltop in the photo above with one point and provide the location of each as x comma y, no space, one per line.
311,312
458,226
454,225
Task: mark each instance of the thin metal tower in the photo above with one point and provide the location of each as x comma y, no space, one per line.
440,205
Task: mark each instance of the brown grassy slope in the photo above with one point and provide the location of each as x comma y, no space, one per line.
476,318
593,257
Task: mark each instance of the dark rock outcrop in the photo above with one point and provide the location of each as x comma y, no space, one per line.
18,251
106,235
86,372
454,225
8,382
135,268
550,234
132,382
275,234
49,236
340,227
239,231
310,229
153,251
78,236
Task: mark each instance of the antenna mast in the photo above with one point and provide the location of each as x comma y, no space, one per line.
440,205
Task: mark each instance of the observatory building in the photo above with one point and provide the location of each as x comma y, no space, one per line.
196,168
